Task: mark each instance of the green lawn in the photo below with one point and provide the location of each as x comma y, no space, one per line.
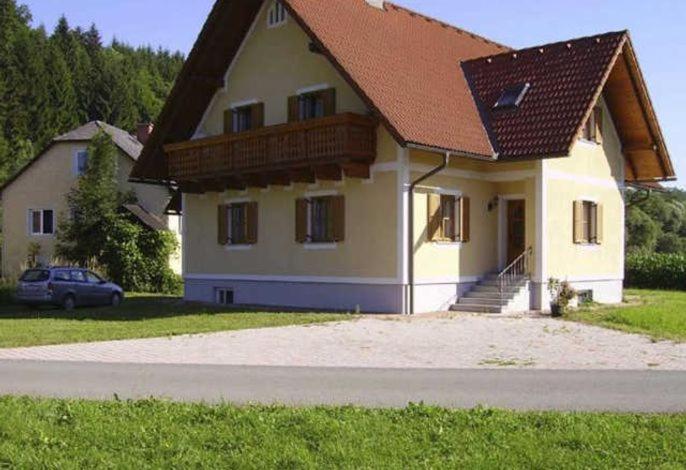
154,434
658,314
138,317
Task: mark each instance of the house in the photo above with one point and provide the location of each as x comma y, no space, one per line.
34,200
355,154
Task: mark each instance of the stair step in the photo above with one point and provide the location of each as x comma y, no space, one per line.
472,308
496,290
489,295
494,301
495,283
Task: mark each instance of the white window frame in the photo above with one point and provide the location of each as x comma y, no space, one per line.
276,9
42,221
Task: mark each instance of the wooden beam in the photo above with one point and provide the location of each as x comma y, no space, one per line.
279,178
329,172
235,184
357,170
256,180
191,188
302,175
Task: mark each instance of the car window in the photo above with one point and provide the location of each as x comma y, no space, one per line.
93,278
77,276
35,275
61,276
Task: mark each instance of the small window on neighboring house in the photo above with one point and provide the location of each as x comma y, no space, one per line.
320,219
237,224
244,118
317,104
41,222
593,128
81,162
448,218
224,297
588,223
276,16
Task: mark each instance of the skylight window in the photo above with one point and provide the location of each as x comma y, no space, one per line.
512,97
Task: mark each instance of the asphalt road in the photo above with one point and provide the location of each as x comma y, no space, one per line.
512,389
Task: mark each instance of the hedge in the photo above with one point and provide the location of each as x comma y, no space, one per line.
656,271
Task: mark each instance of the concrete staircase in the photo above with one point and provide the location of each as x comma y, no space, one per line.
485,297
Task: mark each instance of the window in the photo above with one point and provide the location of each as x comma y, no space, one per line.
238,224
512,97
448,218
276,15
35,275
592,131
61,276
93,278
588,223
320,219
224,296
244,118
41,222
81,162
312,105
78,276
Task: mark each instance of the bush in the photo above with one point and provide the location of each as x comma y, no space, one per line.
7,288
656,271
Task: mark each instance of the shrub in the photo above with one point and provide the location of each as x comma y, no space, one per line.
656,271
7,288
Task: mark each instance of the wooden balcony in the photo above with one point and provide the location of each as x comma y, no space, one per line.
325,148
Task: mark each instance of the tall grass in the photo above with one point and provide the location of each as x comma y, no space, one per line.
656,271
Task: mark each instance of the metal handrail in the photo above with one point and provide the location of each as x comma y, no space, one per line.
513,273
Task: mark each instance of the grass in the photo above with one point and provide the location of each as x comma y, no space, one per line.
138,317
153,434
658,314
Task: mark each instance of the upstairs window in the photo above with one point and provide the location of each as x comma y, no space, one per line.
320,219
276,16
237,224
81,162
41,222
313,105
244,118
593,128
588,223
512,96
448,218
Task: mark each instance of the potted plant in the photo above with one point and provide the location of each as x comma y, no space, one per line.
561,295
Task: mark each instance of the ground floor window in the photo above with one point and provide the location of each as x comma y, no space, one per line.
237,224
588,222
224,296
448,218
320,219
41,222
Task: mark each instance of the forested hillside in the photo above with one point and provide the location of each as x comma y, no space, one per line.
51,82
657,224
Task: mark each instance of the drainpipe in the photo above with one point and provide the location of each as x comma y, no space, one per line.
410,260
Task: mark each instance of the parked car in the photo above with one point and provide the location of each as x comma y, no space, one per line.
67,288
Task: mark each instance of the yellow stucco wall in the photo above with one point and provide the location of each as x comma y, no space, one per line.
369,249
274,64
596,173
45,186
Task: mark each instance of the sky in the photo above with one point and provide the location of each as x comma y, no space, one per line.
656,28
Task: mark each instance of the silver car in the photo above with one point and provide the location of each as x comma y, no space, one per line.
67,288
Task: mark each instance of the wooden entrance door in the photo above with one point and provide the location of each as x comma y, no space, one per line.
516,229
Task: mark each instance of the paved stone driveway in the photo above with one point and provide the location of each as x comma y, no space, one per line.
456,341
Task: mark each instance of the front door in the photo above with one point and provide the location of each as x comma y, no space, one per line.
516,229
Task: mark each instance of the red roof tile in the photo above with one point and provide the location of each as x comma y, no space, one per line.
565,80
407,66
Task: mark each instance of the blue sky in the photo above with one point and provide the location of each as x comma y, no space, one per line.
656,27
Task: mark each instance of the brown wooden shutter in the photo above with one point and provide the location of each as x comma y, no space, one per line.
599,224
338,210
578,221
598,131
257,115
301,208
329,98
228,121
465,219
294,108
222,224
251,221
433,224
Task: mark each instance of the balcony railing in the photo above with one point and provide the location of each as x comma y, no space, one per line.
339,139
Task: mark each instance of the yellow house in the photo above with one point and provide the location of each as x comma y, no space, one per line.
353,154
34,200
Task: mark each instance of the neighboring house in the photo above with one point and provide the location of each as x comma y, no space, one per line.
34,200
309,139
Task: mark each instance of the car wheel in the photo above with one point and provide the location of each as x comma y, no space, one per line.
69,302
116,300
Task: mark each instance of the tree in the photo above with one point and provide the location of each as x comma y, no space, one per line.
642,231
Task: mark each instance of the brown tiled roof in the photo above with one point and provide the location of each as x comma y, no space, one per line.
407,66
566,79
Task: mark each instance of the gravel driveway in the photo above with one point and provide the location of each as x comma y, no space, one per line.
449,341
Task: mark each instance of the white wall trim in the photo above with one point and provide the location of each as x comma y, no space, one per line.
237,200
241,104
403,182
440,190
386,167
322,193
320,246
541,214
238,247
312,88
439,280
294,279
596,278
184,237
494,177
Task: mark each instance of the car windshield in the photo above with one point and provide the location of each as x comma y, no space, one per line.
35,275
